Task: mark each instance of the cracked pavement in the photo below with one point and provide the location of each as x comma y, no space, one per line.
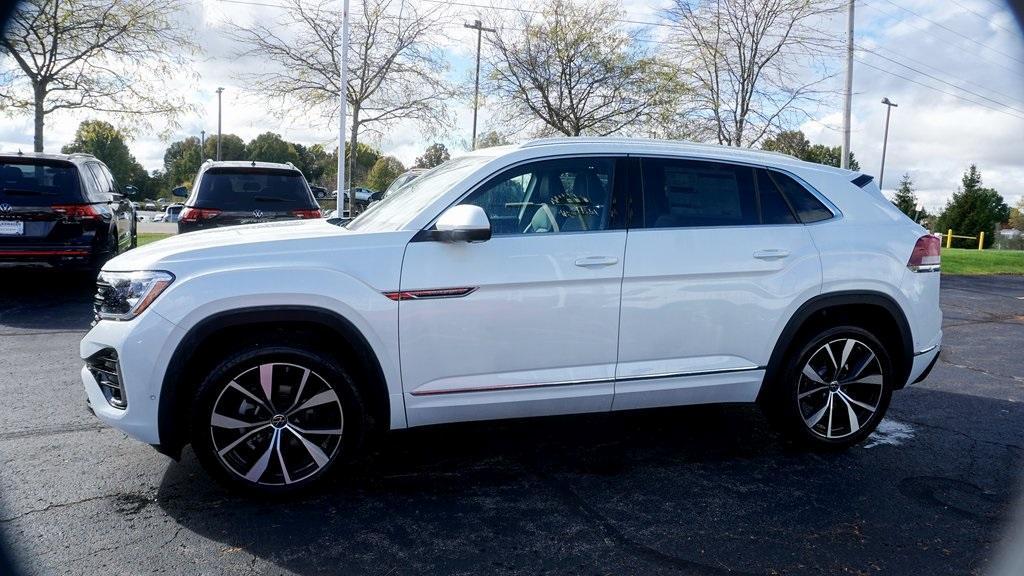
694,490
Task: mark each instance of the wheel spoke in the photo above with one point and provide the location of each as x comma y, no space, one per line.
280,458
812,374
860,368
832,357
325,397
809,392
817,416
327,431
847,348
257,470
267,381
302,386
318,455
831,409
221,421
875,379
850,399
235,386
854,422
241,439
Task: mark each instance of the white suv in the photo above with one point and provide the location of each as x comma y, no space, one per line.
558,276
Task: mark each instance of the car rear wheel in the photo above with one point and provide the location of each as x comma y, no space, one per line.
276,419
835,390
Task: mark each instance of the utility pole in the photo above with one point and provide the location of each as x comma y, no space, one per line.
479,27
889,105
202,140
844,162
219,92
343,112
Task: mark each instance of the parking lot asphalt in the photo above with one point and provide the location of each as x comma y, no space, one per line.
694,490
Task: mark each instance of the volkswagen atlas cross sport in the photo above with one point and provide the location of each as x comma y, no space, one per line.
230,192
64,210
553,277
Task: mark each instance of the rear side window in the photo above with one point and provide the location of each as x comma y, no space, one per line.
252,188
774,208
38,183
688,193
808,208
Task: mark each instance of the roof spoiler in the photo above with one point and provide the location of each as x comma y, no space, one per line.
863,180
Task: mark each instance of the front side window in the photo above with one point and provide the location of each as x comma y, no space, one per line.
689,193
549,196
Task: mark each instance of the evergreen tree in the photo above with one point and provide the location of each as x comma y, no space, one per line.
905,199
973,209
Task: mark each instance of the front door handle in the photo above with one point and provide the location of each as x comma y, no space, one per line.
771,254
596,261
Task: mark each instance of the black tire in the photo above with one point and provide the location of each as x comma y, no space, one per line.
292,466
840,401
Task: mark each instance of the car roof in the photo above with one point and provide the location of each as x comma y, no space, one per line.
619,145
75,157
247,164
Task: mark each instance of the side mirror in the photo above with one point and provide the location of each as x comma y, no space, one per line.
131,190
376,196
463,223
180,192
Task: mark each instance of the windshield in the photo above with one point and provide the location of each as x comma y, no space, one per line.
38,183
251,188
401,206
401,181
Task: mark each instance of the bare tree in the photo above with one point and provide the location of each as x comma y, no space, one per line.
395,68
573,69
112,56
755,65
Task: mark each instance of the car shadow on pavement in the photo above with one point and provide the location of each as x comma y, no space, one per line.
46,299
694,490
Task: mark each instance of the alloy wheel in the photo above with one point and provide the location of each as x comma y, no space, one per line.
840,388
276,424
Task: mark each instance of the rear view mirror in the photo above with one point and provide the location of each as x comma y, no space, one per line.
463,223
180,192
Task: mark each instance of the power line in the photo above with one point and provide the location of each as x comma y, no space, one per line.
952,31
954,95
984,17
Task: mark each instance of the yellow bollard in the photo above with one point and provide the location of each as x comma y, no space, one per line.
981,240
949,238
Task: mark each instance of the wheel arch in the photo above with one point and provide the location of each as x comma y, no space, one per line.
875,311
193,356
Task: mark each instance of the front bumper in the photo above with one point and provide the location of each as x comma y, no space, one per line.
143,346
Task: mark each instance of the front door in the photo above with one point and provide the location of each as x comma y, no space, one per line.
525,323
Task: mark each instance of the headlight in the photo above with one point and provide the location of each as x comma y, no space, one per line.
124,295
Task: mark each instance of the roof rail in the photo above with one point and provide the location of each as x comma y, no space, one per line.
648,141
84,154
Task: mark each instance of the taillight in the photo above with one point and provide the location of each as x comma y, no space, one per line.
78,211
926,256
196,214
303,214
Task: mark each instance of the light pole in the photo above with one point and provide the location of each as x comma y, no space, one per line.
889,105
478,26
343,96
219,91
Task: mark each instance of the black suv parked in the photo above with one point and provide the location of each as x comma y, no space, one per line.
62,209
227,193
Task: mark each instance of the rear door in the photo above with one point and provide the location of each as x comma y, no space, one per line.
525,323
30,189
716,262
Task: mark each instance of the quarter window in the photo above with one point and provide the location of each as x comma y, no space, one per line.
550,196
807,207
688,193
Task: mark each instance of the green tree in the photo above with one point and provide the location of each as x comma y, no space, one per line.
905,199
232,148
1017,221
491,139
973,209
107,143
270,147
435,155
794,143
366,157
182,160
384,172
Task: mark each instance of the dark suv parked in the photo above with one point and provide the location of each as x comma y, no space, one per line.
227,193
62,209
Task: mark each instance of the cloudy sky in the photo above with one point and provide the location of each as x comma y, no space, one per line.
954,67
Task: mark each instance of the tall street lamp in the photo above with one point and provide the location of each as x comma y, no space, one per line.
889,105
219,91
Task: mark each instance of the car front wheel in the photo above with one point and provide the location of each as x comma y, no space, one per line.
276,419
835,390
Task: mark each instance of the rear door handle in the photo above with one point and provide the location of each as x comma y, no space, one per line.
771,254
596,261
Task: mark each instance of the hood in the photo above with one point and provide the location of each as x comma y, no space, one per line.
302,239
